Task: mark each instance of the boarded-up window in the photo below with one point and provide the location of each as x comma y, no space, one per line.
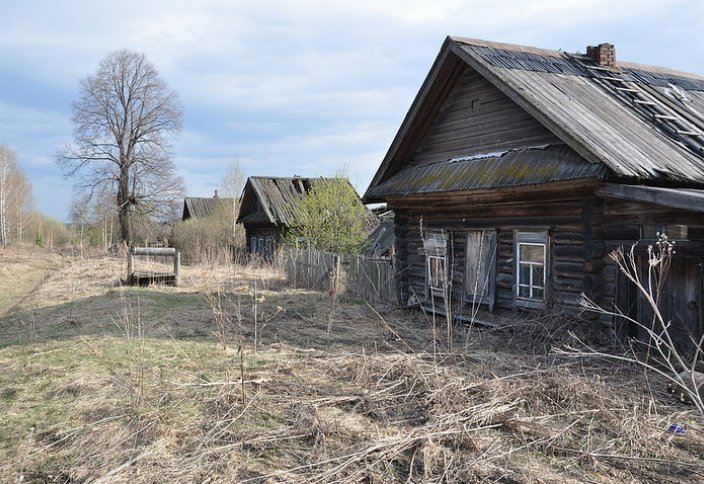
531,267
479,270
435,246
269,247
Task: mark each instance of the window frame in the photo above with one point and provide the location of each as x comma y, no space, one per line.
531,237
253,244
435,248
440,277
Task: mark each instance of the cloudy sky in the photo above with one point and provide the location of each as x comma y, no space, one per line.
288,87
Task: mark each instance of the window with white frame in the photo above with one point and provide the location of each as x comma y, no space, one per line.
260,246
253,245
531,266
269,246
435,246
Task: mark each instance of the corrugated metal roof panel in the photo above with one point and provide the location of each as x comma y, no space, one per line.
522,167
382,240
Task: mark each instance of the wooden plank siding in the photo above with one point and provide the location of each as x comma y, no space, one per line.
262,232
623,225
563,218
583,230
478,118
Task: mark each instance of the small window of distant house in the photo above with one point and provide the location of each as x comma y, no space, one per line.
269,246
531,249
260,245
435,245
479,269
253,245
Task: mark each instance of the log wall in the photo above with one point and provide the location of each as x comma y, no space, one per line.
583,230
568,221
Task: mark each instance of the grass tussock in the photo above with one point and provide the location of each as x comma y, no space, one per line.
231,377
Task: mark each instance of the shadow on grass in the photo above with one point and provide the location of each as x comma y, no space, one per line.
299,318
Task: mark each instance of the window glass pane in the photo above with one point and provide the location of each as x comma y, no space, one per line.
524,274
538,276
523,291
531,252
538,294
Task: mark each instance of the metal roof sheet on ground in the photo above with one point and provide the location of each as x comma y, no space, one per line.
505,169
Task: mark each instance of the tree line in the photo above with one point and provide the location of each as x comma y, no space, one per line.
19,221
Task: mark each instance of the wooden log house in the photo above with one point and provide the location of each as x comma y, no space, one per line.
268,209
518,170
204,208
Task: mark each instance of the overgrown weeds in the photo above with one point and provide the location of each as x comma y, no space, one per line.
366,401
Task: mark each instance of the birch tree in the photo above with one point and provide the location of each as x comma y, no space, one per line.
231,186
15,198
124,123
7,159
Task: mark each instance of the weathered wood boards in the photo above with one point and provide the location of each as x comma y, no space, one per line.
147,277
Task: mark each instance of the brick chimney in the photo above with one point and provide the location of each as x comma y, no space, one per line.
603,54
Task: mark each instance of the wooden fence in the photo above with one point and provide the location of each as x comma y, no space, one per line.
310,269
370,278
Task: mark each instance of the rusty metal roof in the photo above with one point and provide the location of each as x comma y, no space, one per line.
511,168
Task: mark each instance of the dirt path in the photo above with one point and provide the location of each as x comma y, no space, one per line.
22,272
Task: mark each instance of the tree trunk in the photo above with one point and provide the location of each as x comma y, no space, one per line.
123,204
3,213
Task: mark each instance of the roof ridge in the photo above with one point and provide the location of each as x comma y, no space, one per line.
507,46
566,55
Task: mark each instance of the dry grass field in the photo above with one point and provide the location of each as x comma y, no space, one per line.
234,377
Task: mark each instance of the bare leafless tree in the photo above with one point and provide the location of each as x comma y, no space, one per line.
231,186
124,122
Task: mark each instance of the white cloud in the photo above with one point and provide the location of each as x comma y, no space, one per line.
302,86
